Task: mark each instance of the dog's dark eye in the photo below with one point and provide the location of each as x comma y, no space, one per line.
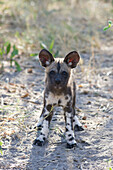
52,72
64,73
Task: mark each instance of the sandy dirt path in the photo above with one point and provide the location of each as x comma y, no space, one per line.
21,97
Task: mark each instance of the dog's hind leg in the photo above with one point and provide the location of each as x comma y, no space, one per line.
77,126
70,138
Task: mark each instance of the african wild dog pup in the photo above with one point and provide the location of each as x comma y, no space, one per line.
59,91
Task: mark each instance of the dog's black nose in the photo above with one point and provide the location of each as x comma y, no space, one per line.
57,80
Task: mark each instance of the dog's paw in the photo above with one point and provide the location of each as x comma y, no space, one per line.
71,143
38,142
69,146
78,128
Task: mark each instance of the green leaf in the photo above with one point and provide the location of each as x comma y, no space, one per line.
6,44
1,143
51,45
17,65
110,22
14,52
109,25
42,45
1,148
110,168
105,28
1,151
33,54
1,52
8,48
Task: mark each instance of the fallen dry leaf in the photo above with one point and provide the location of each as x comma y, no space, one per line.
22,86
23,157
17,85
89,102
12,84
30,70
80,85
85,92
5,118
9,133
85,126
25,95
32,102
7,89
10,119
84,118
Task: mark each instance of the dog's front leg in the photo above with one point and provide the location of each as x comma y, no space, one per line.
39,125
76,124
68,113
47,116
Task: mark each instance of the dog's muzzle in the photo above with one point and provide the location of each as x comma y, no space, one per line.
57,80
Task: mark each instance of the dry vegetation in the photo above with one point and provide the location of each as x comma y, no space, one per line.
62,26
28,23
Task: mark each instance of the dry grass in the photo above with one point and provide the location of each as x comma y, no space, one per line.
72,24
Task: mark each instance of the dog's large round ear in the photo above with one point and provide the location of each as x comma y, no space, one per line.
45,57
72,59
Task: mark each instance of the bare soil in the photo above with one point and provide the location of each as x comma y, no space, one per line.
21,96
